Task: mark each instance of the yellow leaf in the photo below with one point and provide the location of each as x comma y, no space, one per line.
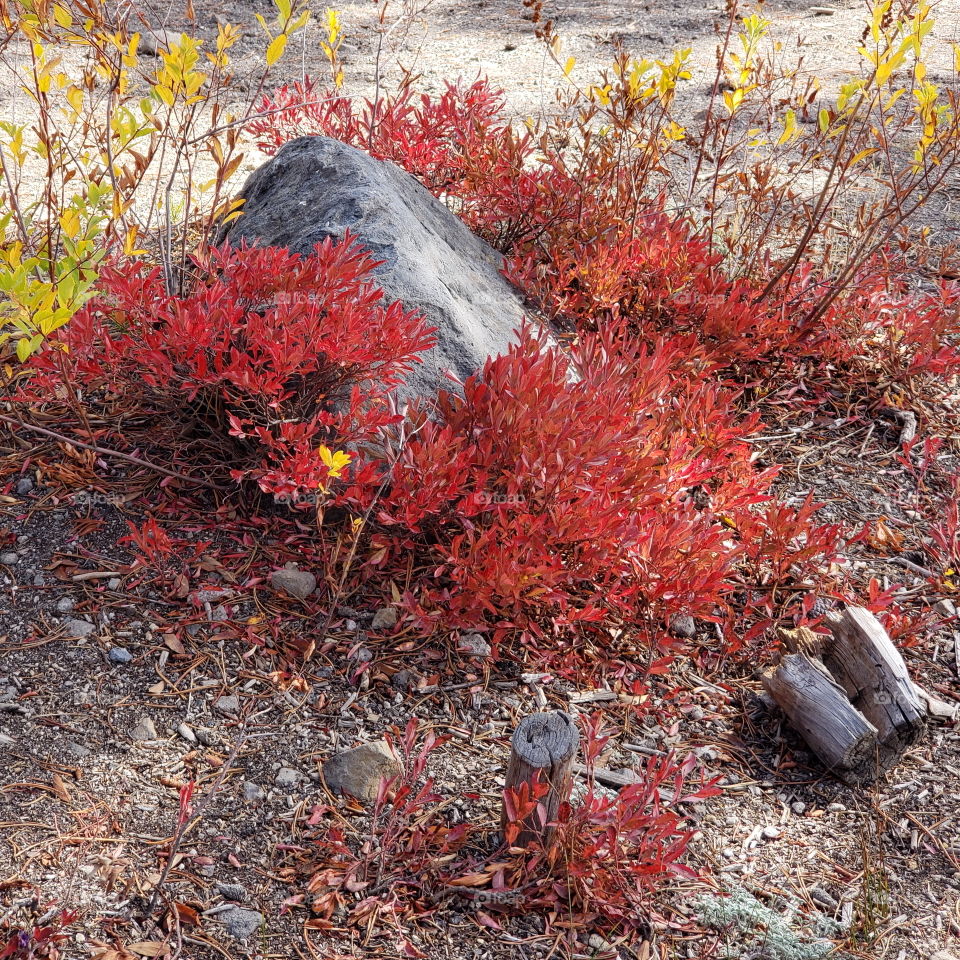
275,51
569,65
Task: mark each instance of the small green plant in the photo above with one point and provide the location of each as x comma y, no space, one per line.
760,932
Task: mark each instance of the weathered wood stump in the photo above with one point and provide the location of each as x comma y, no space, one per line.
544,747
869,667
849,695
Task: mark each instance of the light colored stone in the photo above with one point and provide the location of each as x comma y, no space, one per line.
78,629
384,619
770,833
144,730
119,655
228,704
288,777
253,792
358,772
241,923
298,583
945,608
474,645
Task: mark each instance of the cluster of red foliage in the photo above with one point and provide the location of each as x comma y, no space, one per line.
543,503
610,850
279,353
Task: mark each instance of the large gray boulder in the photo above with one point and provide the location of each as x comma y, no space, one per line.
316,187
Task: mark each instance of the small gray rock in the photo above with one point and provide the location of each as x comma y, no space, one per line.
835,808
298,583
228,704
119,655
253,792
24,486
65,604
384,619
6,741
231,891
207,737
770,833
474,645
696,713
288,777
186,731
242,923
77,750
155,42
358,772
683,626
799,807
113,583
78,629
945,609
9,558
144,730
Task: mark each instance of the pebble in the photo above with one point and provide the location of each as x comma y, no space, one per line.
288,777
384,619
24,486
799,807
228,704
298,583
187,733
144,730
6,741
65,604
683,626
358,772
474,645
231,891
945,608
253,792
9,557
113,583
155,42
835,808
119,655
241,923
207,737
78,629
696,713
770,833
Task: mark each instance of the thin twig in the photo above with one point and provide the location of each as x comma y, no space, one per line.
105,452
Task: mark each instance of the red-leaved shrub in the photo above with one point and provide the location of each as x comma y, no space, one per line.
544,501
282,354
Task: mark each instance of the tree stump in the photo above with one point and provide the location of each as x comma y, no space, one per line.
869,667
818,709
543,747
849,694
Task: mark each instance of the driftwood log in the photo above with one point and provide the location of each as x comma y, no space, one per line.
848,694
544,748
